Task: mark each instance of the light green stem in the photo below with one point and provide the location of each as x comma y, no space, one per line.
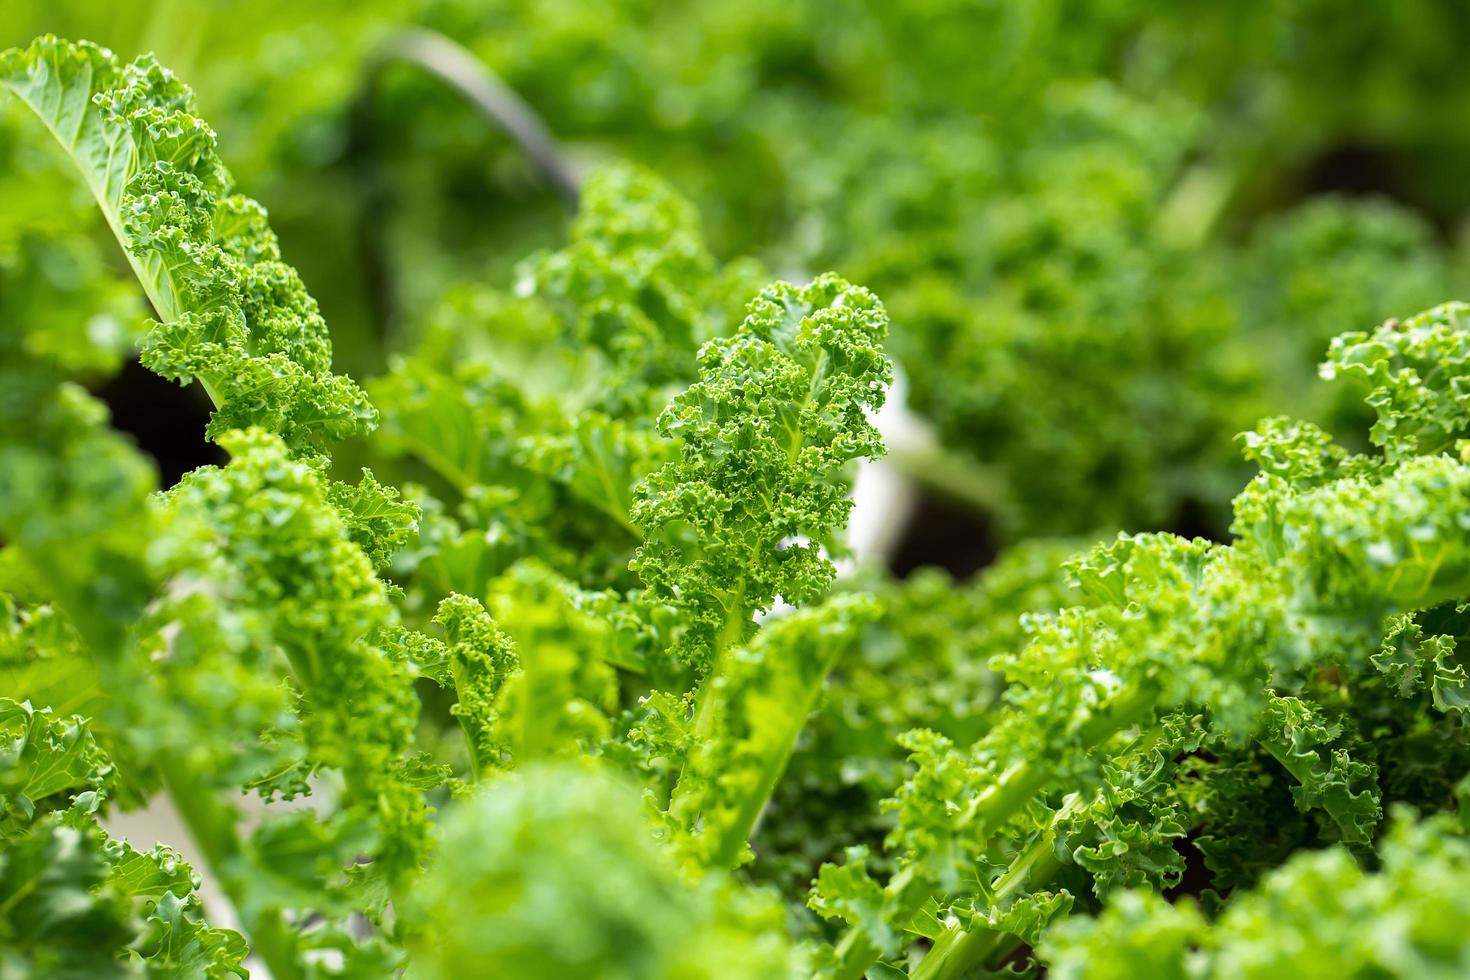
950,475
211,825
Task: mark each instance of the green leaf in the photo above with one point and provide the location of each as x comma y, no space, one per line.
511,891
1319,914
231,313
43,757
1345,788
756,704
743,516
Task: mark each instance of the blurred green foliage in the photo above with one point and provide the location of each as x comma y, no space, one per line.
1089,220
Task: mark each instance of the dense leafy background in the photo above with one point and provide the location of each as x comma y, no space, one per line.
603,450
1088,221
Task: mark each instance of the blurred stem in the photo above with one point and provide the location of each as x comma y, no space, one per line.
497,102
704,718
1188,217
950,475
212,827
706,707
457,68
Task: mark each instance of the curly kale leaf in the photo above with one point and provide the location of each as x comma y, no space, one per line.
1417,372
757,494
280,572
1320,914
79,903
45,762
231,313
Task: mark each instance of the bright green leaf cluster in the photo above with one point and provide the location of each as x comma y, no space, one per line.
231,312
569,632
745,513
80,903
1238,633
1319,915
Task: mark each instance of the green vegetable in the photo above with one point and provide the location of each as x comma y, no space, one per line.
511,891
1319,915
580,677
